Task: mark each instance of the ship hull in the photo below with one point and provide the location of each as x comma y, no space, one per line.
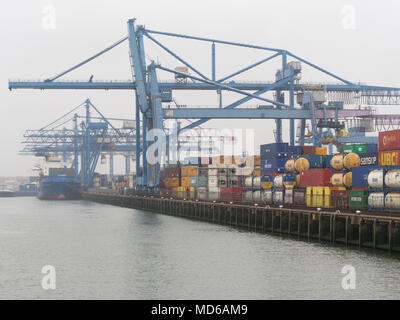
59,191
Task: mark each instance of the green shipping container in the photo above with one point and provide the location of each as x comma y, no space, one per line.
360,148
199,181
348,148
358,200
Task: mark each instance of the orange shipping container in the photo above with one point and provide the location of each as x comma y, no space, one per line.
222,160
185,182
189,171
257,171
171,182
321,151
389,158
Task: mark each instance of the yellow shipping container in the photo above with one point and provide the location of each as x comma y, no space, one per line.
321,151
318,197
309,196
257,161
185,182
171,182
189,171
257,171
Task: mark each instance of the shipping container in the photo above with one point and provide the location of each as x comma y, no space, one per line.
369,159
315,178
274,150
321,151
360,176
309,162
202,193
294,150
392,201
172,172
213,193
172,182
340,199
376,200
375,179
351,160
392,179
389,158
225,159
185,181
189,171
202,171
267,182
278,197
289,181
299,197
358,200
389,140
290,165
266,196
307,150
272,165
336,162
231,194
288,197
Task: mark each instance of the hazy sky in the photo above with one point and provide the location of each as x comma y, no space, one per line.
365,49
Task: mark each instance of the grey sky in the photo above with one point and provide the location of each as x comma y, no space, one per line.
310,29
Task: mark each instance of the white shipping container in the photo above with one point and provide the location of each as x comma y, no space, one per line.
278,197
257,182
266,196
288,197
375,179
392,200
278,181
376,200
213,181
257,195
248,196
392,179
213,193
202,193
248,182
212,170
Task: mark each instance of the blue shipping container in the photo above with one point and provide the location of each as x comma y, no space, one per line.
272,165
360,176
369,159
274,150
372,148
316,162
295,150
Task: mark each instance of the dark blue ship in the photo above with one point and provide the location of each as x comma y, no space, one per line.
60,187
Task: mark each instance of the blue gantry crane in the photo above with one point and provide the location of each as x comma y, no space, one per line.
93,136
322,104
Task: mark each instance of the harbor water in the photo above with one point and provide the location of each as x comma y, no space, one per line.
104,252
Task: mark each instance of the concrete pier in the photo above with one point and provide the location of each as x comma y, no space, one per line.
376,230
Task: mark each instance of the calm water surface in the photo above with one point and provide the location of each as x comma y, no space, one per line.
107,252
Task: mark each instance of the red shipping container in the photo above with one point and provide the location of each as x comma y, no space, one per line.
340,199
230,194
389,158
172,172
307,150
315,178
389,140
